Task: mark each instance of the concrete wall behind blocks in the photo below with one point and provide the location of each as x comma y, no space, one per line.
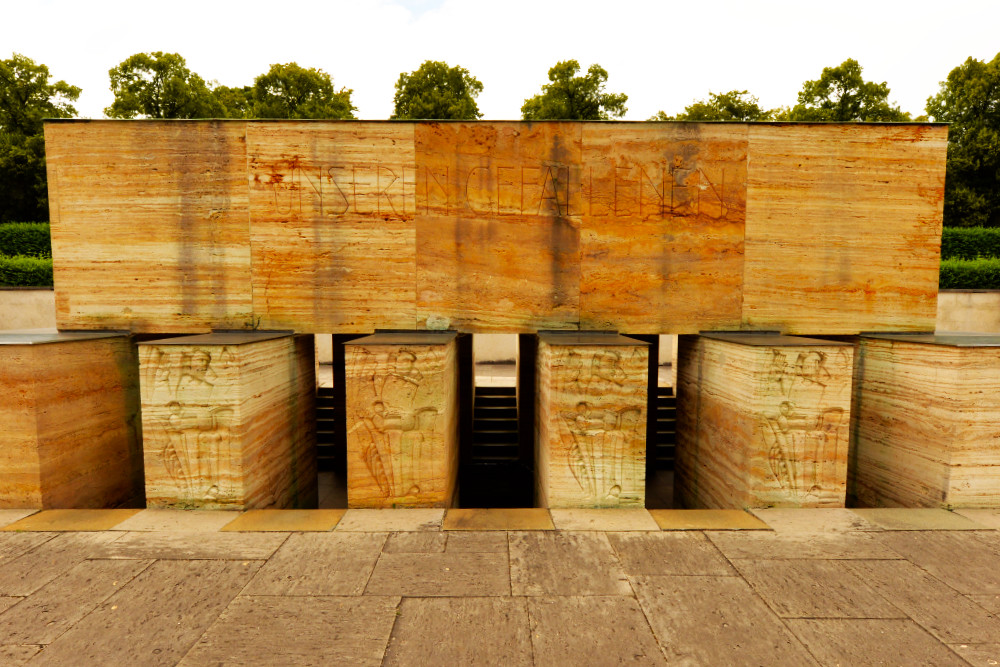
495,227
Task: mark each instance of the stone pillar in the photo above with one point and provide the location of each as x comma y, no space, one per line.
763,420
402,420
69,407
590,417
229,421
928,422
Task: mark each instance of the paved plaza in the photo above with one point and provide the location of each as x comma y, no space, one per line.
500,587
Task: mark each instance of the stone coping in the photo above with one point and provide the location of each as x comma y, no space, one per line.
587,338
38,337
221,338
947,339
773,340
406,338
515,519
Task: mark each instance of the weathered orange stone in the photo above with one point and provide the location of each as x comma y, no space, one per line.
69,406
402,420
590,420
229,421
762,421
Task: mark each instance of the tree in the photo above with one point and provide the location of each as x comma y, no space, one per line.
437,91
970,101
736,105
160,85
237,102
571,97
26,97
290,91
841,95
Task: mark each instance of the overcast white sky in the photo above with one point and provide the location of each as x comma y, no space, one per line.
662,54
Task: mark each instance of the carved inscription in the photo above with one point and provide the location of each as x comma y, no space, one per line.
804,424
188,393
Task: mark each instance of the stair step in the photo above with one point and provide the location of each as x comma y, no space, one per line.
496,391
495,401
495,437
495,412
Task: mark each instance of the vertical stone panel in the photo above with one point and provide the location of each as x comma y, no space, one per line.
762,421
590,416
402,420
229,421
928,410
69,407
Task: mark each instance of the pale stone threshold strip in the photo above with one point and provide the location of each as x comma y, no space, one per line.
805,521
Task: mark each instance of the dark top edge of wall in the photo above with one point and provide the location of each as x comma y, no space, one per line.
484,122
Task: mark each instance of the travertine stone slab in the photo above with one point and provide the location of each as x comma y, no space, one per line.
156,618
65,600
498,226
441,631
966,561
229,421
375,521
498,518
928,408
765,544
843,227
820,521
565,563
25,575
332,225
69,407
707,520
447,574
591,630
72,520
762,421
716,621
900,518
185,521
874,641
990,518
320,564
477,541
662,226
191,546
590,421
606,519
8,517
285,521
323,630
149,225
402,420
669,553
814,589
415,542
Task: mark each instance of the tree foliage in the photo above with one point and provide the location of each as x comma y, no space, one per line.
26,97
160,85
290,91
841,95
571,97
736,105
437,91
970,101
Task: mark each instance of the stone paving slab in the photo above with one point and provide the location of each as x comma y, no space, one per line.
440,574
192,546
990,603
320,564
962,560
888,641
945,613
604,520
8,517
285,521
891,518
13,545
770,545
461,631
17,655
707,520
988,518
72,520
186,521
421,542
477,541
814,589
320,630
528,518
58,605
156,618
981,655
591,630
34,569
823,521
388,521
669,553
565,563
8,601
716,621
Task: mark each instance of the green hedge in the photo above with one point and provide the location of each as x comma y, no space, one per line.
25,238
23,271
970,242
970,273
